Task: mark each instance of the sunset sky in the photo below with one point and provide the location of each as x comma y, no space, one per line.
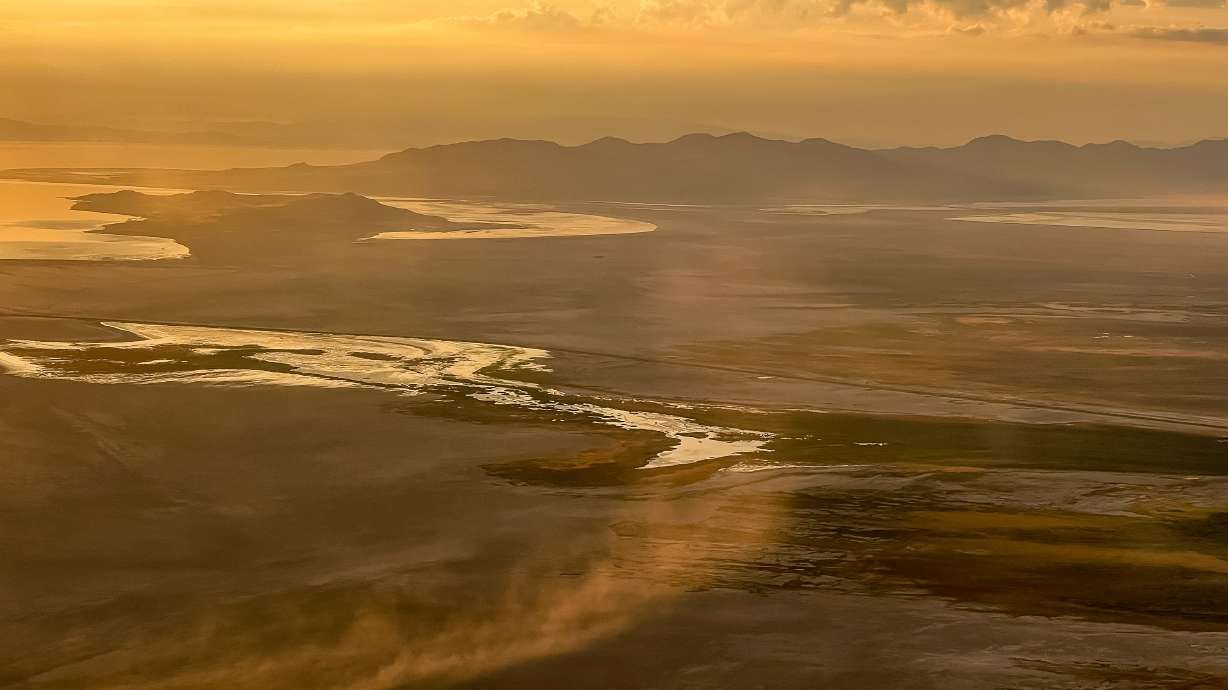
866,72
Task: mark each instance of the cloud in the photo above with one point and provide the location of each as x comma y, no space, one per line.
794,12
959,17
1197,4
1092,28
679,12
1200,35
970,8
972,30
977,9
540,16
1090,6
603,15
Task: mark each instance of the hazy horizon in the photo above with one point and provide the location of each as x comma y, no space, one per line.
293,135
866,73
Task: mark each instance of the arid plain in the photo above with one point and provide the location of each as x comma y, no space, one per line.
649,445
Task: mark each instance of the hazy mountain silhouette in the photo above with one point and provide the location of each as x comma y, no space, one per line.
1047,169
741,167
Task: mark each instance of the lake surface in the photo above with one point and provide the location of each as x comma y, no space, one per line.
73,154
534,221
37,223
1168,222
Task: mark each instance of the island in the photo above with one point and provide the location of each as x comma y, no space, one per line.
245,227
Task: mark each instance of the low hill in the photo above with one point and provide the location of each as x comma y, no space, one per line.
245,227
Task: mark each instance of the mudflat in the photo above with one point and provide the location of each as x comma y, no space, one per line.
899,449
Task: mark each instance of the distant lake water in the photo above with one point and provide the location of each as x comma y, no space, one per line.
44,154
523,221
37,222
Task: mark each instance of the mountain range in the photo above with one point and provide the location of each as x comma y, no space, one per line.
735,168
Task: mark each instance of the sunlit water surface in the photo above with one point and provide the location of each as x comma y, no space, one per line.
37,222
524,221
407,366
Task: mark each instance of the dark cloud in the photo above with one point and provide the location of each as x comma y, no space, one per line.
794,12
1197,4
798,10
1093,28
1214,36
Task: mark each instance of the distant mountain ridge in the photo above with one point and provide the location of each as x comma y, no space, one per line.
738,168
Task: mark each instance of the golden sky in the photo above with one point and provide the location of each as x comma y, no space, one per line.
868,72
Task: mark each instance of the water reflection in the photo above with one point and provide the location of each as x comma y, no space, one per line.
37,222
